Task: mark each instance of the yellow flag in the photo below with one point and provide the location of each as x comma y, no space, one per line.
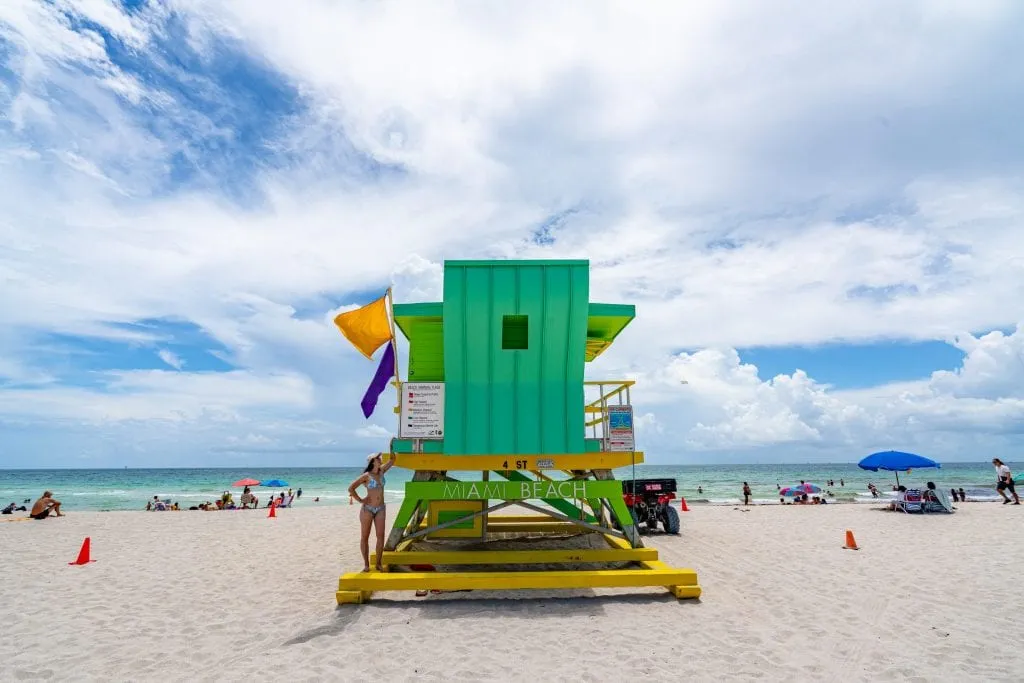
367,327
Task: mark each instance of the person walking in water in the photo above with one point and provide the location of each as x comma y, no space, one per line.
373,510
1004,482
746,493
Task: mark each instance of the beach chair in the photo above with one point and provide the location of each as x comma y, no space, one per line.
912,501
940,503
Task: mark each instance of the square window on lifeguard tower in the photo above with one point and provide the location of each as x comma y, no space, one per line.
514,332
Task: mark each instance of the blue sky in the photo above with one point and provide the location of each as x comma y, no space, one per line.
856,366
819,228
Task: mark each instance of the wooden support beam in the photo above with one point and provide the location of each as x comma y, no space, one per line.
602,578
518,518
551,527
518,556
350,597
680,591
557,461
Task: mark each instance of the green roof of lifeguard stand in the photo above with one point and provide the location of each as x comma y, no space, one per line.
535,263
604,321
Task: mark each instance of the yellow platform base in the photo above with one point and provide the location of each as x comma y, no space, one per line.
357,588
685,580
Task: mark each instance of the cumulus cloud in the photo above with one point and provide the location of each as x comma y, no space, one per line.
373,432
727,409
746,175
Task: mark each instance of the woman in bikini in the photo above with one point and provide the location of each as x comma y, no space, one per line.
373,510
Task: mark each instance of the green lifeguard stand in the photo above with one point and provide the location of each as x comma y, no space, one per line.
495,390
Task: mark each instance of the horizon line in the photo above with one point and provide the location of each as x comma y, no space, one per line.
357,466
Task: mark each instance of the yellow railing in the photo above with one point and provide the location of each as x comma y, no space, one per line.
617,393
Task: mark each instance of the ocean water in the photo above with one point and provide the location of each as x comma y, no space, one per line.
129,489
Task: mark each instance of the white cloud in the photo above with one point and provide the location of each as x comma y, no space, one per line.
171,359
168,396
726,408
790,174
373,432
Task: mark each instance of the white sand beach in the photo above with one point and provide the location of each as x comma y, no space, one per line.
214,595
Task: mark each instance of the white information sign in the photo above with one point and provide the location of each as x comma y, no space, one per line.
422,415
620,428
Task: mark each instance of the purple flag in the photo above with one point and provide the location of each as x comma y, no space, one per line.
385,371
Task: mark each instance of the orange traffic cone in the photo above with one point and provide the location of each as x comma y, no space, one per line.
273,511
83,554
682,505
851,543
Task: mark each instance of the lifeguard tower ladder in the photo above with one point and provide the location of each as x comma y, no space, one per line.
496,391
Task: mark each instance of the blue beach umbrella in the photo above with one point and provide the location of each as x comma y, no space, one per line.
896,461
274,483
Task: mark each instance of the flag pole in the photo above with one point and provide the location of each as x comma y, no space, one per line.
394,352
394,342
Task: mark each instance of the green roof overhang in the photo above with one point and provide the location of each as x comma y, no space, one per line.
604,323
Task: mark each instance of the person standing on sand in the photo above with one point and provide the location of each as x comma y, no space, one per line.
746,493
41,508
1005,482
373,511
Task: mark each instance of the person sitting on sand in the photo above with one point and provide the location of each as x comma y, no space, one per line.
373,511
901,496
12,508
42,508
